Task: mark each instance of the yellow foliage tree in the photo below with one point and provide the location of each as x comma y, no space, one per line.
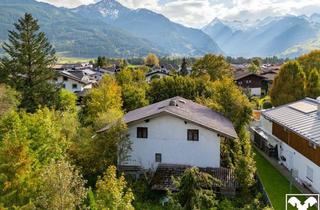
113,193
151,60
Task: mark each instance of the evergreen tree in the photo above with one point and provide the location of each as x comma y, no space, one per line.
184,70
313,84
101,62
288,86
195,191
26,67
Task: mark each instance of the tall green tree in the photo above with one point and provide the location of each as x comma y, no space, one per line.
134,88
26,66
103,104
225,97
310,61
214,65
313,84
93,152
183,67
168,87
101,61
289,84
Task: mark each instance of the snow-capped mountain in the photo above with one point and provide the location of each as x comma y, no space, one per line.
267,37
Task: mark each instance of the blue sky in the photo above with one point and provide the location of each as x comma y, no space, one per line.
197,13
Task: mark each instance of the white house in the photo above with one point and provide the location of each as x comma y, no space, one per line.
157,73
176,131
291,134
75,81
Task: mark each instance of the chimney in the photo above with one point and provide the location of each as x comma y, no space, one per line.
173,103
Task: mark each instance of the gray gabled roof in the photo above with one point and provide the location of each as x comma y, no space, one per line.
300,117
187,110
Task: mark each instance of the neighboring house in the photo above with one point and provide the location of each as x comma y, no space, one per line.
269,77
254,84
76,81
157,73
291,134
77,66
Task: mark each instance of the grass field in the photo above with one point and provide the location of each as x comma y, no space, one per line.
276,185
63,60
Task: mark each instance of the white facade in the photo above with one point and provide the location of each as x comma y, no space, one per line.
255,91
72,85
304,170
167,135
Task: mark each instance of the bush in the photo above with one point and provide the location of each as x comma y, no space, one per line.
267,105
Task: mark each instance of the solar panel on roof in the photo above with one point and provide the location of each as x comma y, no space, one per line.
304,107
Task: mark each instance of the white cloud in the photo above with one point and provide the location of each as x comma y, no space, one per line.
197,13
68,3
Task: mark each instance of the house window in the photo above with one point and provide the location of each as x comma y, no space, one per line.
309,173
74,86
142,132
65,78
158,157
193,135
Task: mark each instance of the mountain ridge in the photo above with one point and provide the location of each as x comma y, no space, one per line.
267,37
104,28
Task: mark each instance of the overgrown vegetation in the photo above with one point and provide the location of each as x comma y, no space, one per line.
297,79
52,157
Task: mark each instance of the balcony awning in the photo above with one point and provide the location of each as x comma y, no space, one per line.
269,138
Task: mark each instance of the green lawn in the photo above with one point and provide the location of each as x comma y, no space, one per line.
63,60
276,185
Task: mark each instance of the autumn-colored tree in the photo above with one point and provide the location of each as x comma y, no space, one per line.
67,101
16,161
102,105
289,84
313,84
60,187
94,151
310,61
9,99
26,66
195,190
112,192
253,68
214,65
151,60
225,97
